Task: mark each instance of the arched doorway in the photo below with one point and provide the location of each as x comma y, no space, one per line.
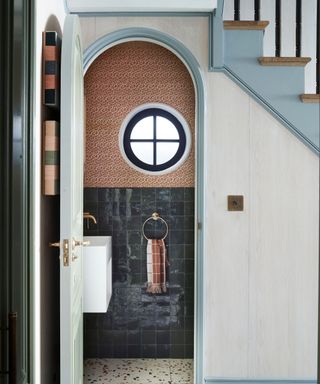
156,37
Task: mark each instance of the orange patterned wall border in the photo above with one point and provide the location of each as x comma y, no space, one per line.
119,80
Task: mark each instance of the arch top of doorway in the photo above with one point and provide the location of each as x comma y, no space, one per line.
186,56
146,34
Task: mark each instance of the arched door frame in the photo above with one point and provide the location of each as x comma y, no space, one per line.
175,46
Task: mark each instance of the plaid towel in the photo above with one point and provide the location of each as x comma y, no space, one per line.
156,266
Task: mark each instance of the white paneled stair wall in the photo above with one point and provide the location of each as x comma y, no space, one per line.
287,30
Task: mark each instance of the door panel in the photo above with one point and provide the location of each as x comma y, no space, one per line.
71,214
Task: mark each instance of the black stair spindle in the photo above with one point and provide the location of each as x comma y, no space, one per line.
236,10
318,49
298,28
257,10
278,28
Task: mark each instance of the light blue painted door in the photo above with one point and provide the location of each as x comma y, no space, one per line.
71,215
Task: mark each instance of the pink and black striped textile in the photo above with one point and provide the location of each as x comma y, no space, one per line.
156,266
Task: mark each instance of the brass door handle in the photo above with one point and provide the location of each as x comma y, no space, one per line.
78,243
57,245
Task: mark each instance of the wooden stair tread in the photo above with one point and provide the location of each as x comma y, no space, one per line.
245,25
285,61
310,98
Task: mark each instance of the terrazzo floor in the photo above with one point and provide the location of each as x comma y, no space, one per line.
138,371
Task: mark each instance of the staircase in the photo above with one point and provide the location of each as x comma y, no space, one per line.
277,82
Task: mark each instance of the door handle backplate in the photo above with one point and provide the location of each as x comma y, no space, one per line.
65,248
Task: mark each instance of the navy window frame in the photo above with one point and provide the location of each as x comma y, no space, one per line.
154,112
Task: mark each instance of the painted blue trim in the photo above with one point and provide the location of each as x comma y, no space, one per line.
187,57
251,92
259,381
280,87
235,53
142,14
216,37
212,41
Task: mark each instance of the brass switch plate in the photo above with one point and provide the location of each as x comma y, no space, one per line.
235,203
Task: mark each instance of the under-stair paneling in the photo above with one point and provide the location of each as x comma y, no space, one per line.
261,279
227,233
283,251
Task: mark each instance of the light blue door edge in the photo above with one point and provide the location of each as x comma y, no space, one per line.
191,63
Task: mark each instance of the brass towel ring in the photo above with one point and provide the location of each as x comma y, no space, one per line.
155,216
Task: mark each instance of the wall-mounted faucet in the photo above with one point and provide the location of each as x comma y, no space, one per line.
88,216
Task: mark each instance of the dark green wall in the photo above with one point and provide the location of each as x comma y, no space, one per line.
137,323
15,119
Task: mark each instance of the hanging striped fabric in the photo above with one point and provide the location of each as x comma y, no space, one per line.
156,266
51,68
51,158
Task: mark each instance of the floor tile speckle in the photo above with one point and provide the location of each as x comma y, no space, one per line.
138,371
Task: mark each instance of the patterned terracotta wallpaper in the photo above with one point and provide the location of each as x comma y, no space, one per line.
119,80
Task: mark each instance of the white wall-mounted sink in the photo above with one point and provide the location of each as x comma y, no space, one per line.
97,273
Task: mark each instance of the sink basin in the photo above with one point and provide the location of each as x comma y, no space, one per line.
97,274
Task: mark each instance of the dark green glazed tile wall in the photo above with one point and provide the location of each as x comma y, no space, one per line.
139,324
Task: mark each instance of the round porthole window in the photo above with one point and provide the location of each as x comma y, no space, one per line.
155,139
